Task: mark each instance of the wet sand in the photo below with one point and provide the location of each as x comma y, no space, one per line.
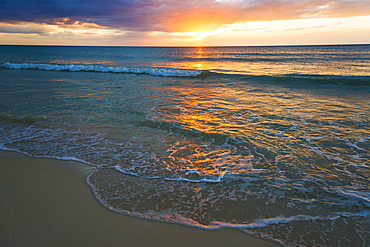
46,202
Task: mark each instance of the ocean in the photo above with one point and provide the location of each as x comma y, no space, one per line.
271,141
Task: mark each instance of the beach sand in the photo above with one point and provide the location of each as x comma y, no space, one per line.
46,202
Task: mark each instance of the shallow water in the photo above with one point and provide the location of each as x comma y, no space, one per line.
273,141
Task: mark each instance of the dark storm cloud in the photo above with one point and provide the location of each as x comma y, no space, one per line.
166,15
111,13
50,11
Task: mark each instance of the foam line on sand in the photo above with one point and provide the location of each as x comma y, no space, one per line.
46,202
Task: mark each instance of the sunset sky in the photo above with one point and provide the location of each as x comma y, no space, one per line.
184,23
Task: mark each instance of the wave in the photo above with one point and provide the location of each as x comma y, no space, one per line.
199,205
175,72
291,78
18,134
27,120
166,72
171,127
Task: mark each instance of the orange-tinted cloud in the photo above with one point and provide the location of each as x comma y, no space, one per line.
202,17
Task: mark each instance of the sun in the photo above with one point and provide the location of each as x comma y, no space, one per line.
197,35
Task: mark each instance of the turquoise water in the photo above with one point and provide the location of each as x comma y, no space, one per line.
273,141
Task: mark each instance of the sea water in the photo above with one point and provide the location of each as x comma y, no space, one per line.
272,141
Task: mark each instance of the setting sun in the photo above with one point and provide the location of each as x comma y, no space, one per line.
187,23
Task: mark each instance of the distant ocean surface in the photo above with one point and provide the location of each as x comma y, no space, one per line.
272,141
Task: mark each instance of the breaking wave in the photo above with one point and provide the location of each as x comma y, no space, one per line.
166,72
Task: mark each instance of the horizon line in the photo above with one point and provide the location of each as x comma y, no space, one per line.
190,46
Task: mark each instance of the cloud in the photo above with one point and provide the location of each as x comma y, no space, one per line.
304,28
26,28
172,15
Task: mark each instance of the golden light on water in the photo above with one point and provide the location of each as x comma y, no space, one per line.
203,115
199,52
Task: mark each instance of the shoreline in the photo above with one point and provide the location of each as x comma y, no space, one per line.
46,202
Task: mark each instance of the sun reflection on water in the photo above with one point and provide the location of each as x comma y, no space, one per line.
247,130
278,61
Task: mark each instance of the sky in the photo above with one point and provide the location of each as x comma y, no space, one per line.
184,23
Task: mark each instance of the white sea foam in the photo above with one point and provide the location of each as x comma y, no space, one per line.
270,221
354,196
217,179
95,68
201,178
